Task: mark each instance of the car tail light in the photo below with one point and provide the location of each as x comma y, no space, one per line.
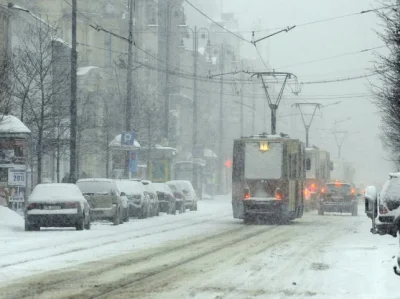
323,190
383,209
33,206
306,193
70,205
246,195
313,187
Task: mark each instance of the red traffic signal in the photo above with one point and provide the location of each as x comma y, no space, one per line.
228,163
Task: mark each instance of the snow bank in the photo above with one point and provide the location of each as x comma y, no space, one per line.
10,220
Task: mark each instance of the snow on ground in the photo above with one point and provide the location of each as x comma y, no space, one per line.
331,256
10,222
26,253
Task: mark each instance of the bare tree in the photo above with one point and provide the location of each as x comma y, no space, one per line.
388,67
39,84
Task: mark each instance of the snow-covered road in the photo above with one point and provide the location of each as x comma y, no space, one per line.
204,254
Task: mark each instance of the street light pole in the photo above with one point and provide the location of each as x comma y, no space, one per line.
307,125
221,119
195,55
73,176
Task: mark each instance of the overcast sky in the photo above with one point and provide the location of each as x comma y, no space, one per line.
317,41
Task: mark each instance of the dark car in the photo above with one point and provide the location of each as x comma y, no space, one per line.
166,198
339,197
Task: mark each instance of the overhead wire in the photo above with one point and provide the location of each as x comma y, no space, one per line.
332,57
216,23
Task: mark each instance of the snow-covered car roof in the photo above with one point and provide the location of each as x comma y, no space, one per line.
95,180
130,187
162,187
56,192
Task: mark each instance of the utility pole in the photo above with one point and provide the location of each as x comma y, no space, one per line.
340,141
253,116
307,125
241,104
167,98
195,55
129,83
273,106
73,176
221,119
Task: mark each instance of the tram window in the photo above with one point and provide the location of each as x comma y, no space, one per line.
308,164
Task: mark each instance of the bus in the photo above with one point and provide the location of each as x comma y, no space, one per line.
268,177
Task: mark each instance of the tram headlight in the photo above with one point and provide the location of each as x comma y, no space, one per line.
263,146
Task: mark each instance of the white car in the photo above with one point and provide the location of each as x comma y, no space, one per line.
189,193
138,204
56,205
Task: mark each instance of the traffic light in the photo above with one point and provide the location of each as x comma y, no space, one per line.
228,163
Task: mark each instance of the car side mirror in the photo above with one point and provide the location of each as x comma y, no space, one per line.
177,195
123,194
186,192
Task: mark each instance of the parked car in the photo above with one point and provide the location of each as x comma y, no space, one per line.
190,194
177,190
388,207
104,199
57,205
153,198
138,201
166,198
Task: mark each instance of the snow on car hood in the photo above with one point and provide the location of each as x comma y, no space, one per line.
56,192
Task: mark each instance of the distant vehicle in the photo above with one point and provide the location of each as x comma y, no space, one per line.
338,197
388,207
166,198
189,192
57,205
318,169
151,192
191,171
138,202
177,190
104,199
268,177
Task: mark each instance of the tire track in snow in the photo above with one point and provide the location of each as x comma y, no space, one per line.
121,239
176,220
56,282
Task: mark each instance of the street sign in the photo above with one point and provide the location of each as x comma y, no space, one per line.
16,178
133,162
127,138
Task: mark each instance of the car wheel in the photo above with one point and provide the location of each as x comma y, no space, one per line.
31,227
116,218
121,217
195,206
173,211
80,223
354,211
127,215
87,224
321,210
192,207
157,211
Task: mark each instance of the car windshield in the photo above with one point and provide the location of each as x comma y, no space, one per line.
102,187
340,189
